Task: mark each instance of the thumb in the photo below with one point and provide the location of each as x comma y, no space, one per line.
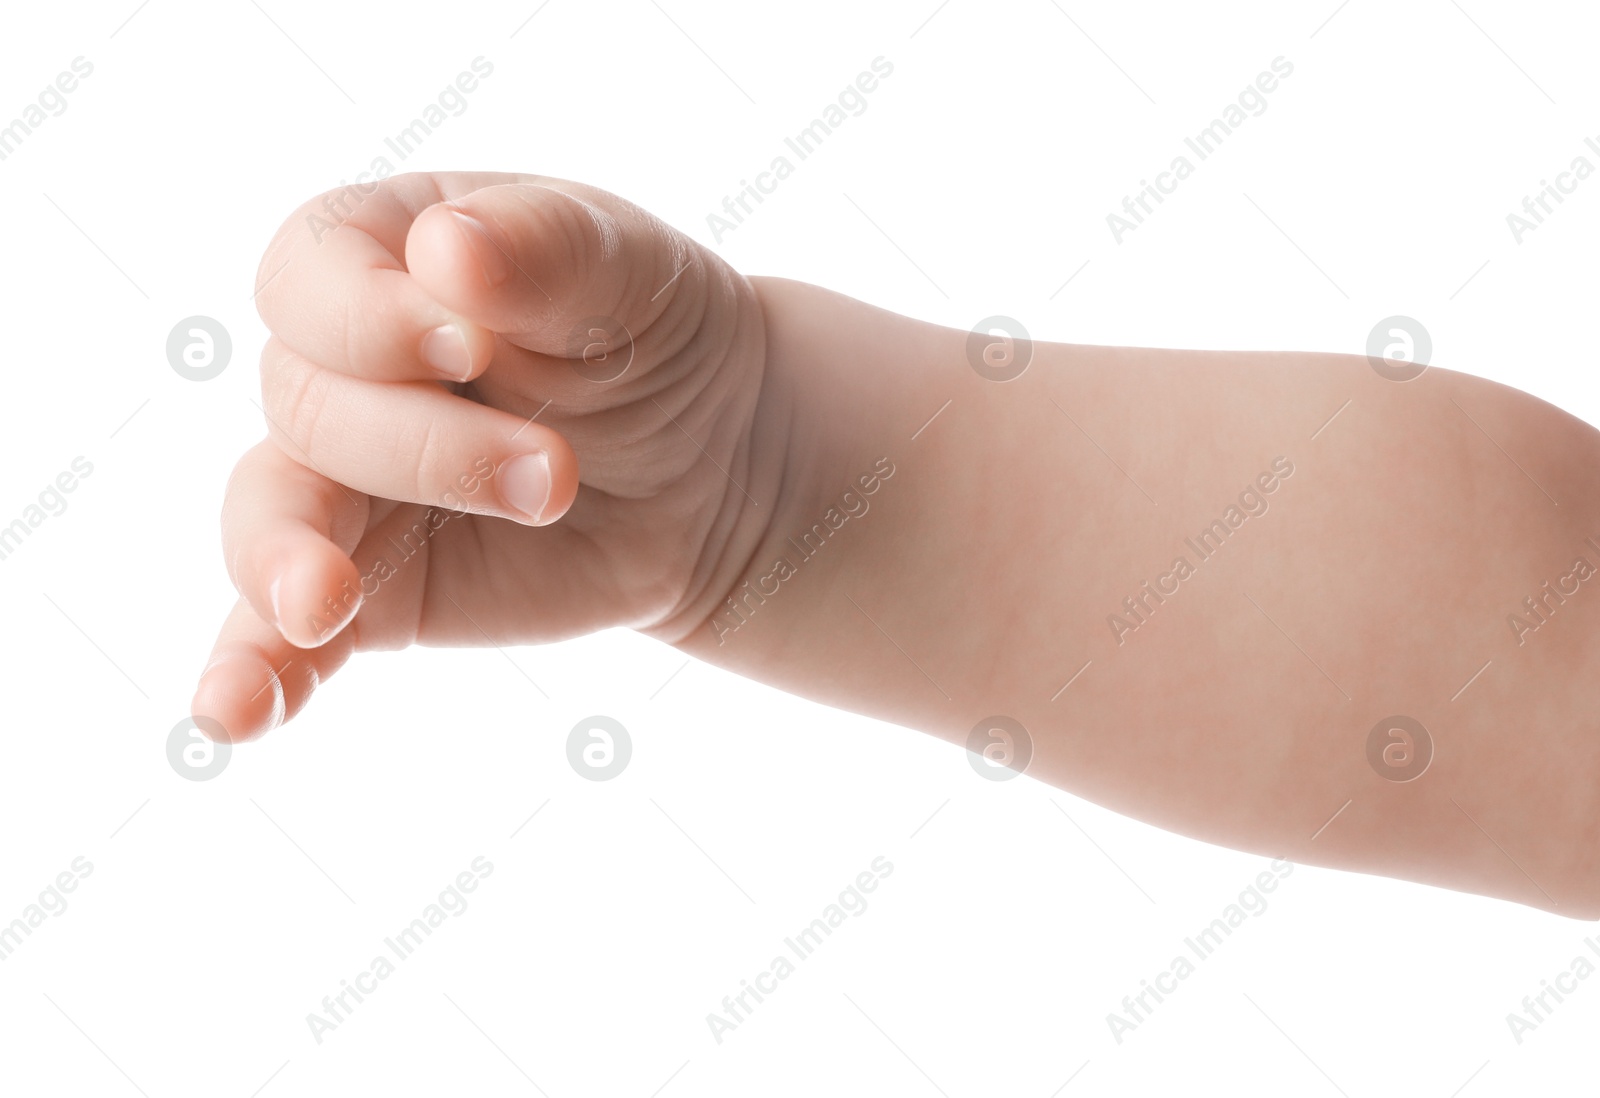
555,267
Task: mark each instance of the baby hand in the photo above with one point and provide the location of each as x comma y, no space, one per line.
501,409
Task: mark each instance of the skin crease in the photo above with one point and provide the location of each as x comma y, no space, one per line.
1377,580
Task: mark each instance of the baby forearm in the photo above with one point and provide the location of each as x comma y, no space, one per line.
1199,581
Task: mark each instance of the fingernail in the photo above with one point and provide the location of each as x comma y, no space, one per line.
494,263
273,598
445,349
525,485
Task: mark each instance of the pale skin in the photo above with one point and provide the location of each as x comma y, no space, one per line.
1384,575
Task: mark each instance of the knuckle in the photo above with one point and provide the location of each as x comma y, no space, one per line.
431,458
581,235
294,397
347,337
274,261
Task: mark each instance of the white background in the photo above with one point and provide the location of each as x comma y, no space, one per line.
219,915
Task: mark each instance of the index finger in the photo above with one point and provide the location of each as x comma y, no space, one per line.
333,284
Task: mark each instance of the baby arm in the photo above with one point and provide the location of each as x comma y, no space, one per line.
1203,584
1273,601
